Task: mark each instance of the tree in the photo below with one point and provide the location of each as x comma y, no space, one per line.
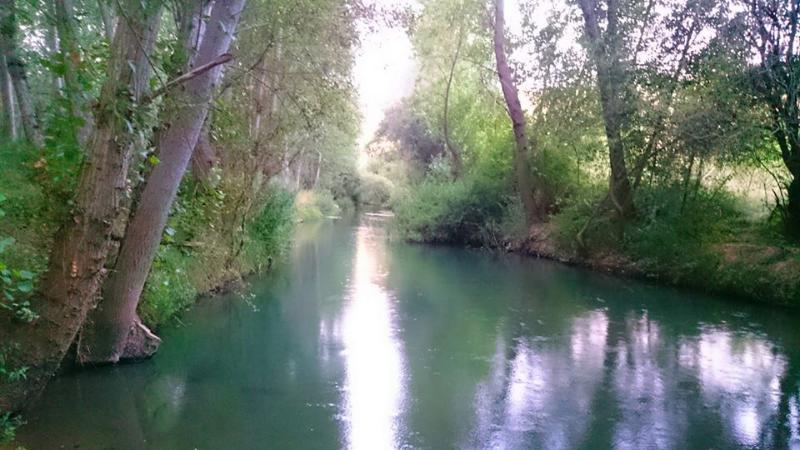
772,31
455,154
188,105
16,71
604,47
76,267
71,58
7,96
535,207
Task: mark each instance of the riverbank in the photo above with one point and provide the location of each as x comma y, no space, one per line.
429,327
759,272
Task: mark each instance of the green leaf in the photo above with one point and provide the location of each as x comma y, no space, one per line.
153,160
5,243
25,275
25,286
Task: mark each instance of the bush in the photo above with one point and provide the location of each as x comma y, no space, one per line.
463,211
311,206
374,191
197,253
270,230
168,289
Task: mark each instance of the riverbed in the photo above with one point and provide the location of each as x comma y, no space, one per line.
360,341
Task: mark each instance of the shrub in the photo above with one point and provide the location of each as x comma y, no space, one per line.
463,211
315,205
270,230
374,191
168,289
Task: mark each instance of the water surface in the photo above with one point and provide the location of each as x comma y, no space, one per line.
364,343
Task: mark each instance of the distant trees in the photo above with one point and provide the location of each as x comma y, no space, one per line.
15,68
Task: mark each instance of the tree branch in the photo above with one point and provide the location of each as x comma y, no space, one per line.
194,73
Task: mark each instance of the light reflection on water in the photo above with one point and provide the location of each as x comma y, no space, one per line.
374,385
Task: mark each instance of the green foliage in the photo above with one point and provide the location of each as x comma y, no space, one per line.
9,423
197,253
16,284
677,235
463,211
168,289
310,206
270,230
374,191
8,427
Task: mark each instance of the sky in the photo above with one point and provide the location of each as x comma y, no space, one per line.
385,70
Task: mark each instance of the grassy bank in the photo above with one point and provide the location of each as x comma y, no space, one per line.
709,241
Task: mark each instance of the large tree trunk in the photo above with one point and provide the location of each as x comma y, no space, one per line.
76,272
8,116
106,339
535,209
605,54
16,71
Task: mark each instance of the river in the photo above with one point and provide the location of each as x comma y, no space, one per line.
360,341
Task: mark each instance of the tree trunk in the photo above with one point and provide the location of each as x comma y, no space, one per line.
793,197
51,41
533,210
72,282
9,121
107,16
319,167
192,26
16,71
68,43
610,83
204,157
455,155
105,340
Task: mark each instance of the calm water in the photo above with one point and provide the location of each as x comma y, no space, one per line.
359,342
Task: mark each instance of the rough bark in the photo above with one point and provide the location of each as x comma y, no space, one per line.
7,95
610,83
105,340
455,154
16,71
76,271
535,210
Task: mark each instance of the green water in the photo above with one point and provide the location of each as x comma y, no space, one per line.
360,342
